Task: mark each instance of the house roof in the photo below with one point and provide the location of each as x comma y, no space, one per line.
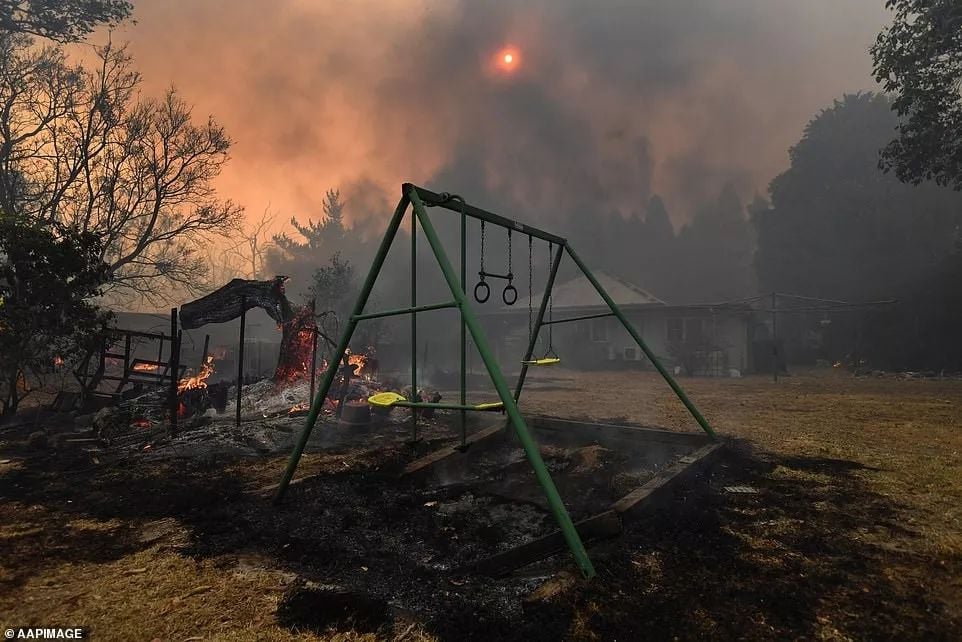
580,293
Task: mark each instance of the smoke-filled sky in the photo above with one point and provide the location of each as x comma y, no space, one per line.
608,102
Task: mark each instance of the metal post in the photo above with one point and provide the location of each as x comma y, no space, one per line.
536,329
414,327
174,366
203,358
641,344
558,509
774,337
338,355
240,359
464,334
314,329
160,355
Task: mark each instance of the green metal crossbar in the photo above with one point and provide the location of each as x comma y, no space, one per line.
487,407
586,317
418,198
400,311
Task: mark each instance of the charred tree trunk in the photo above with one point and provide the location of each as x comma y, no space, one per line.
297,340
225,303
240,295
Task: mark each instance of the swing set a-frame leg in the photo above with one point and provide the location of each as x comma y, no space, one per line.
342,346
528,443
692,408
536,328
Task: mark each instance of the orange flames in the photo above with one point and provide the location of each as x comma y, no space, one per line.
145,367
358,361
296,348
365,364
200,379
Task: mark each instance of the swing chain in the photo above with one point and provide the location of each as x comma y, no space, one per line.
530,287
510,294
482,249
510,275
550,351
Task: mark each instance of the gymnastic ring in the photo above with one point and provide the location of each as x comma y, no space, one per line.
482,287
504,294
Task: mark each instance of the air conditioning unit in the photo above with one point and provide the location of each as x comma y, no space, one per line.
631,354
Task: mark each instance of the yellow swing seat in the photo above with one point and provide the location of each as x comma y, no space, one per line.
385,399
545,361
491,405
391,399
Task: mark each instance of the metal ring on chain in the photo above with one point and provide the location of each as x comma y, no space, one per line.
482,292
513,291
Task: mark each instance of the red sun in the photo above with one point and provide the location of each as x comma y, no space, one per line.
508,59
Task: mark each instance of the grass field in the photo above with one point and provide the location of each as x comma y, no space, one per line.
855,531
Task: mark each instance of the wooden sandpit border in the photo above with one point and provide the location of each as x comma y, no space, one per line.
651,495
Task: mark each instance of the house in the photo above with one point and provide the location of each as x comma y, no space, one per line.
703,339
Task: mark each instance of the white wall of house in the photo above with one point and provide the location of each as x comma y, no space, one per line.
660,328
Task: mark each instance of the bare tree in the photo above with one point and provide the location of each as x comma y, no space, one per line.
79,146
255,240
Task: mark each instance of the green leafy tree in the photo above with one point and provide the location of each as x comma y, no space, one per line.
334,290
333,287
47,277
918,59
61,20
80,148
714,252
838,226
315,244
656,252
327,234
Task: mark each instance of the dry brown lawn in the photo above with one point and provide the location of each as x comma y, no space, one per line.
856,532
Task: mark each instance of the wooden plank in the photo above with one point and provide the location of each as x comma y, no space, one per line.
432,458
638,433
600,526
657,489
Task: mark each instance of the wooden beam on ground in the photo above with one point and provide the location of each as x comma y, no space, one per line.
600,526
613,431
432,458
658,489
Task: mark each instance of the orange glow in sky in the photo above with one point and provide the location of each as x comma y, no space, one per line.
508,59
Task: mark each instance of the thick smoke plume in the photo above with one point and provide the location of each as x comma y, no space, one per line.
611,101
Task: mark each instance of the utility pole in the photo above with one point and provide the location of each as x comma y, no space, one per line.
774,337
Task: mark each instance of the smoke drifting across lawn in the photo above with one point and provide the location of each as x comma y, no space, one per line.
612,100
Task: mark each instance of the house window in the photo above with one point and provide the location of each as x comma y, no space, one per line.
599,330
676,330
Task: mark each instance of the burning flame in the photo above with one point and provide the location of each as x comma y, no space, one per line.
358,361
200,379
299,407
297,348
365,363
145,367
58,361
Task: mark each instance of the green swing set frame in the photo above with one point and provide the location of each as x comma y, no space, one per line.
419,199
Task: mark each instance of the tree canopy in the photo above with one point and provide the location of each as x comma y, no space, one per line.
79,147
47,277
61,20
918,59
841,228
